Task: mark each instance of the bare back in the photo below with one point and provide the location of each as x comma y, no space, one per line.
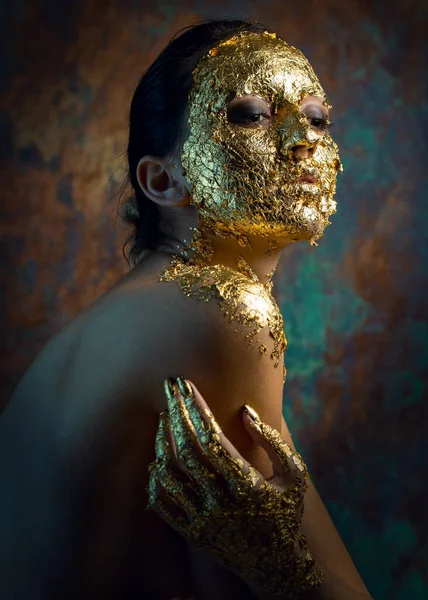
78,435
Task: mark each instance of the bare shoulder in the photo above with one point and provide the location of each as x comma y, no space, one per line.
145,336
115,356
127,346
88,410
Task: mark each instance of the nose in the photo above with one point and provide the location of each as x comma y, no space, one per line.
299,139
303,150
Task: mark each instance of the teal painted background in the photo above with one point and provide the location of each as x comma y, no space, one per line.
355,308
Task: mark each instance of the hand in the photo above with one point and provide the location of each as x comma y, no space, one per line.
214,498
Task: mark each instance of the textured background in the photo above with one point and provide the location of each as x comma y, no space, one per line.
355,308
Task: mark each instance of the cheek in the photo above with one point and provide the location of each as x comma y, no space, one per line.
247,149
327,156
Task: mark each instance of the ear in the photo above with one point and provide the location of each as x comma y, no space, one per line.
155,177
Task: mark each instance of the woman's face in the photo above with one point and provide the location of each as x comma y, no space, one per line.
259,157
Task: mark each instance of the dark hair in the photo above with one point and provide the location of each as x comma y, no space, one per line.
156,118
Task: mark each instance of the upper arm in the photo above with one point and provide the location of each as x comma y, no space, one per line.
229,372
213,353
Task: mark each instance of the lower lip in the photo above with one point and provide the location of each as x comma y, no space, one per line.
308,185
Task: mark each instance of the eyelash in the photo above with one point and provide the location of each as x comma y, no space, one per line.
325,123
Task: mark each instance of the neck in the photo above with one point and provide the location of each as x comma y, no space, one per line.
262,254
242,305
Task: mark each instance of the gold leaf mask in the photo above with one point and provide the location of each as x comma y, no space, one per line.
244,179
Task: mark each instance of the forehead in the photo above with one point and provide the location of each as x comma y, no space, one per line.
258,64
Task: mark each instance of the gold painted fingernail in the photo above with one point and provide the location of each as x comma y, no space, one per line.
185,388
170,387
252,414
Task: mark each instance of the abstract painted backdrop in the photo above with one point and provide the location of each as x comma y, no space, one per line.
355,307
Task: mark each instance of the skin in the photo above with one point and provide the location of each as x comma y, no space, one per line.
89,417
77,436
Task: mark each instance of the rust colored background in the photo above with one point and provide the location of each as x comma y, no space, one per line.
355,308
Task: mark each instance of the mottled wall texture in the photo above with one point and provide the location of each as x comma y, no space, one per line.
355,307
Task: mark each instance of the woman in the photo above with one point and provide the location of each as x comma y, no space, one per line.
223,181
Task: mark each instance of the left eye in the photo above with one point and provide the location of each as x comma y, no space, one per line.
320,123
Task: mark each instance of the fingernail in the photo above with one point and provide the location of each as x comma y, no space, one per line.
185,388
170,388
252,414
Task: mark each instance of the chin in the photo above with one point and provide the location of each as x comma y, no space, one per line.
308,224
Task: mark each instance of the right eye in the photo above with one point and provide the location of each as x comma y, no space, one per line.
256,117
248,115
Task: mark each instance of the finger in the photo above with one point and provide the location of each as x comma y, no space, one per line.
162,504
226,459
282,456
253,425
166,452
283,476
165,449
188,449
163,446
181,493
